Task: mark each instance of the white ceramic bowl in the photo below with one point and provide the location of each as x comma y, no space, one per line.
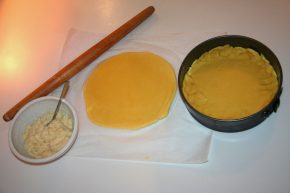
29,113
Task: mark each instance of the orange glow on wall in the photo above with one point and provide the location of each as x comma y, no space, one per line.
12,57
9,64
31,39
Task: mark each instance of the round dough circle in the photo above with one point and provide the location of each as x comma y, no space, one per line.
130,90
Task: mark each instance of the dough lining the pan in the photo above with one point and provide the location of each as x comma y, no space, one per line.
230,83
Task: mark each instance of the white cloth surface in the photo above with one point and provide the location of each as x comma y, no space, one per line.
177,138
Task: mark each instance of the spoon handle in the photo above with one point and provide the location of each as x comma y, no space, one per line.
63,93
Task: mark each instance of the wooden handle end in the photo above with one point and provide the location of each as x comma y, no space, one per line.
6,117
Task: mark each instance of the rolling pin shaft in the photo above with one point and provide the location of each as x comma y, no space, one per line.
80,62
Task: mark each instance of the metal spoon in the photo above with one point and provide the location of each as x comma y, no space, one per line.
63,93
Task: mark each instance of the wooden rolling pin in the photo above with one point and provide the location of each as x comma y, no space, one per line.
81,62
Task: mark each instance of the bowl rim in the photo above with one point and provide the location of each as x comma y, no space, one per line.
58,154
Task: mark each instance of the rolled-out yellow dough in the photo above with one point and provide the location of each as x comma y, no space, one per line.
130,90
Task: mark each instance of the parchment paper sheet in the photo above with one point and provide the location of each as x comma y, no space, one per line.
177,138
